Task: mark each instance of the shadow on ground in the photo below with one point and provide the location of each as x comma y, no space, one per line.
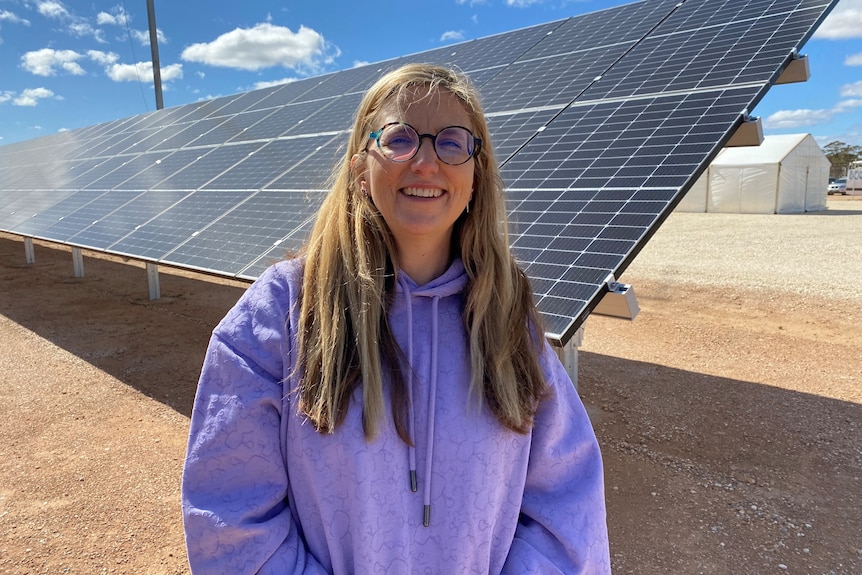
107,319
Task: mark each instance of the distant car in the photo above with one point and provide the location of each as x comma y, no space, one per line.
839,186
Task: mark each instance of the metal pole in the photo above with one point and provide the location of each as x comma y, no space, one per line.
154,48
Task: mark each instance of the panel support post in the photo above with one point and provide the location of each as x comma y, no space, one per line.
568,355
153,281
78,262
29,252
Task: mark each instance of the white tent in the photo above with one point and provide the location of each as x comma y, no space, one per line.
785,174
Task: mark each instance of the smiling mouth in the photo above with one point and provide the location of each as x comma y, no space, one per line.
423,192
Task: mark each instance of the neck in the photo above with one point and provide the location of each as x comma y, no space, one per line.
424,263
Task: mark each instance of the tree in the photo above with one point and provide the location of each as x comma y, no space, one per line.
841,155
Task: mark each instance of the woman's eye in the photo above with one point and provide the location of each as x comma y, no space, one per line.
451,144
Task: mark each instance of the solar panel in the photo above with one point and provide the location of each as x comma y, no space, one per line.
172,227
129,167
162,168
64,204
601,123
189,133
87,215
240,103
115,225
210,164
238,238
16,209
266,164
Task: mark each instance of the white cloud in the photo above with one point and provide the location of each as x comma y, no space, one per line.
853,60
7,16
103,58
796,118
452,36
522,3
847,105
360,63
6,95
75,25
143,36
47,61
31,96
117,17
142,71
82,28
852,99
52,9
845,21
263,46
270,84
471,2
851,90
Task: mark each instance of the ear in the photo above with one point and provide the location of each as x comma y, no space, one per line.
353,162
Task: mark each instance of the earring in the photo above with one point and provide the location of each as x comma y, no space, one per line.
468,207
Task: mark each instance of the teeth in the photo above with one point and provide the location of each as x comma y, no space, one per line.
424,192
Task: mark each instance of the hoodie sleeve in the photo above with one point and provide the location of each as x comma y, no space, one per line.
234,490
562,528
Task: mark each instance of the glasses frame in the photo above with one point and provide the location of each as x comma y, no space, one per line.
375,135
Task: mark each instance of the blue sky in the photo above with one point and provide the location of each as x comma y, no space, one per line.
66,64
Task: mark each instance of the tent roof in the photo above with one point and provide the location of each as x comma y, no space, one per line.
773,150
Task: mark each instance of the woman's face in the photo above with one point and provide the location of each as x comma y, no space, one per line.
421,198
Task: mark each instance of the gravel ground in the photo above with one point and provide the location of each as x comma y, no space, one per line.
812,254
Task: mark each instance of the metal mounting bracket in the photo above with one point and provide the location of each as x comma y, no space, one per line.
619,301
749,133
796,71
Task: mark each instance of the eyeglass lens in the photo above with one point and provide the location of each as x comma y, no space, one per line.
399,142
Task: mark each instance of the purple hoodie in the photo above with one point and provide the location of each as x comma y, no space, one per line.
263,492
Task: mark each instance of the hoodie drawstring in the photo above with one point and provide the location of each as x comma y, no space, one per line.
411,450
432,399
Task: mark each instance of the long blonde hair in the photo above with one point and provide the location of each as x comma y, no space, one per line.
345,339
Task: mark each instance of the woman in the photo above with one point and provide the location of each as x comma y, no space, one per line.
386,404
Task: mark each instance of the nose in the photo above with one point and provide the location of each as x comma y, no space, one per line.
425,160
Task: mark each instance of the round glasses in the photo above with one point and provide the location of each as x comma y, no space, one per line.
399,142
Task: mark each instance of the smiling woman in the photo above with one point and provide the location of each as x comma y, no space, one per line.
396,367
418,193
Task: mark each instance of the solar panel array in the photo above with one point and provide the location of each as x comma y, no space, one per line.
601,123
